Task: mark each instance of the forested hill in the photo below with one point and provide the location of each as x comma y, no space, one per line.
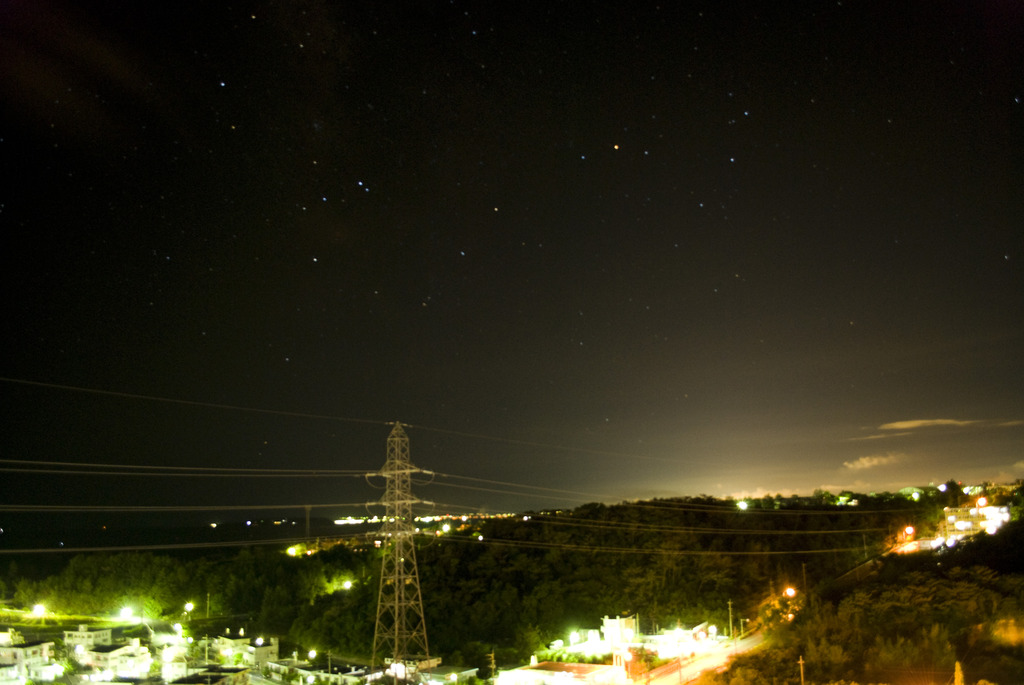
511,583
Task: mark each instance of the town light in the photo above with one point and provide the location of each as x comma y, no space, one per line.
126,613
38,611
790,592
312,654
189,606
742,504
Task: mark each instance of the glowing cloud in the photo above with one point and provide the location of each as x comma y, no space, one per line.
880,436
923,423
871,462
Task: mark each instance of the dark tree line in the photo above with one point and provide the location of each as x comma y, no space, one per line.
530,579
914,620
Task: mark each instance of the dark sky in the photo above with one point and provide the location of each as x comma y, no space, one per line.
621,249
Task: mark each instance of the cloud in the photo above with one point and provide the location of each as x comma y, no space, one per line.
879,436
856,486
896,429
871,462
923,423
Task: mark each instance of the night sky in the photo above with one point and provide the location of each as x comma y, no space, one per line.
613,250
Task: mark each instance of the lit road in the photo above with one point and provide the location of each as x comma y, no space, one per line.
715,659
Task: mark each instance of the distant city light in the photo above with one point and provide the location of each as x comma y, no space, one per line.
742,504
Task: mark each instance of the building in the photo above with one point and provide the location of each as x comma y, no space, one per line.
87,637
447,675
252,652
963,522
336,674
560,673
217,675
126,660
29,660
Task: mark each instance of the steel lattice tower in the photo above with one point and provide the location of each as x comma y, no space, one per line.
400,633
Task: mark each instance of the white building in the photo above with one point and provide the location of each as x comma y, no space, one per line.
128,660
30,660
252,652
87,637
963,522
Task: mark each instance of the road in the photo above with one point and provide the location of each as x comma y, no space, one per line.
710,661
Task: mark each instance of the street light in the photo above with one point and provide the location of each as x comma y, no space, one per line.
790,592
38,611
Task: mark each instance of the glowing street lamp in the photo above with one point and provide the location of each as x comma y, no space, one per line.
312,654
126,613
790,592
38,611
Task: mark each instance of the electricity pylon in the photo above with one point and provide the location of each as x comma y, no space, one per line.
400,634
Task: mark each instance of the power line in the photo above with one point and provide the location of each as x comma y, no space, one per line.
60,508
224,469
327,417
145,548
626,526
635,550
191,403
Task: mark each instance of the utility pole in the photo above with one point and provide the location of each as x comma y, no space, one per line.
731,634
807,590
801,662
400,635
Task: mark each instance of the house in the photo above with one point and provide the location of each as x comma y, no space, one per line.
86,637
29,661
215,677
129,659
252,652
447,675
337,674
